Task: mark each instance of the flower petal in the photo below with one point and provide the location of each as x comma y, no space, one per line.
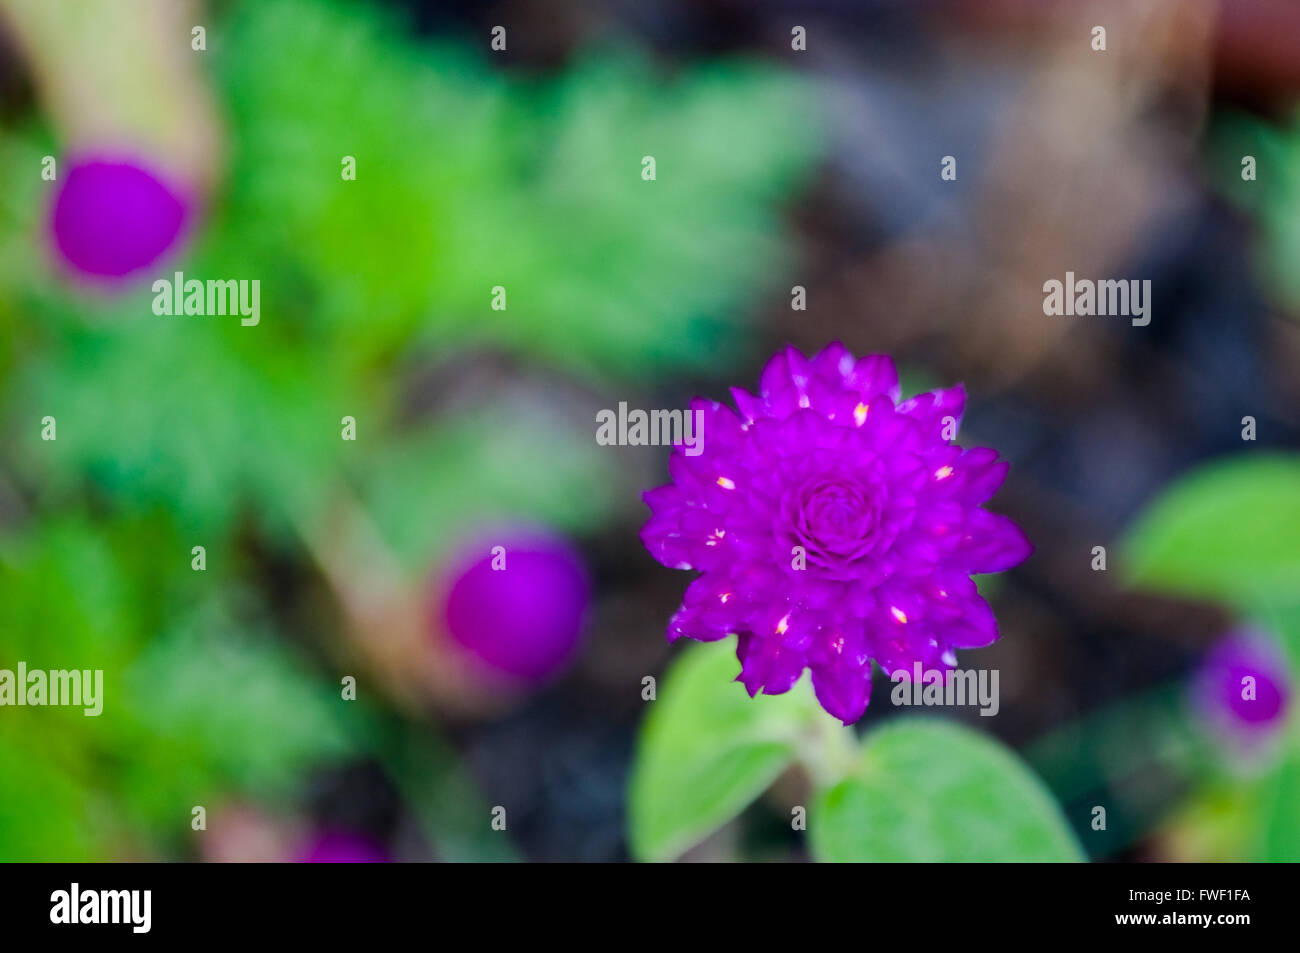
992,543
843,690
933,409
874,375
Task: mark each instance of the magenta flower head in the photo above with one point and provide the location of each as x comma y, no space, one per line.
112,218
1242,689
833,525
515,600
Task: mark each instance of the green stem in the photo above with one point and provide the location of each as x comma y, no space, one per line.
828,751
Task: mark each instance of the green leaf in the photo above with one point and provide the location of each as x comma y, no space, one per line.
1229,532
707,750
934,791
45,814
1282,622
1280,819
1271,199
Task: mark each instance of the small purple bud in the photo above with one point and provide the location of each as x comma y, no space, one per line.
113,218
1242,687
340,847
516,601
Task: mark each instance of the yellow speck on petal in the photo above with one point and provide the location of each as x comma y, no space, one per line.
726,483
898,614
943,473
783,624
860,413
724,597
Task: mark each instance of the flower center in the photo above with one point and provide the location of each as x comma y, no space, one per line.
836,520
835,515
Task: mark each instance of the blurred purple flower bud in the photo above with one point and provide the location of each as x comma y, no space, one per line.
340,847
1242,687
515,601
113,218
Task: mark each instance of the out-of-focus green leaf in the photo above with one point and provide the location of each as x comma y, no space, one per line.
45,815
1229,531
1272,197
1279,838
933,791
1283,622
706,750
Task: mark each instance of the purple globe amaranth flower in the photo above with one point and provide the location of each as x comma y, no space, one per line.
112,218
1242,687
515,600
342,847
833,525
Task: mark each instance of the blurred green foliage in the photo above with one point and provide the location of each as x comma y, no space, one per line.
468,178
174,431
1229,532
1271,197
196,701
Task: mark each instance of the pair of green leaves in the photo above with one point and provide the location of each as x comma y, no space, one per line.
917,789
